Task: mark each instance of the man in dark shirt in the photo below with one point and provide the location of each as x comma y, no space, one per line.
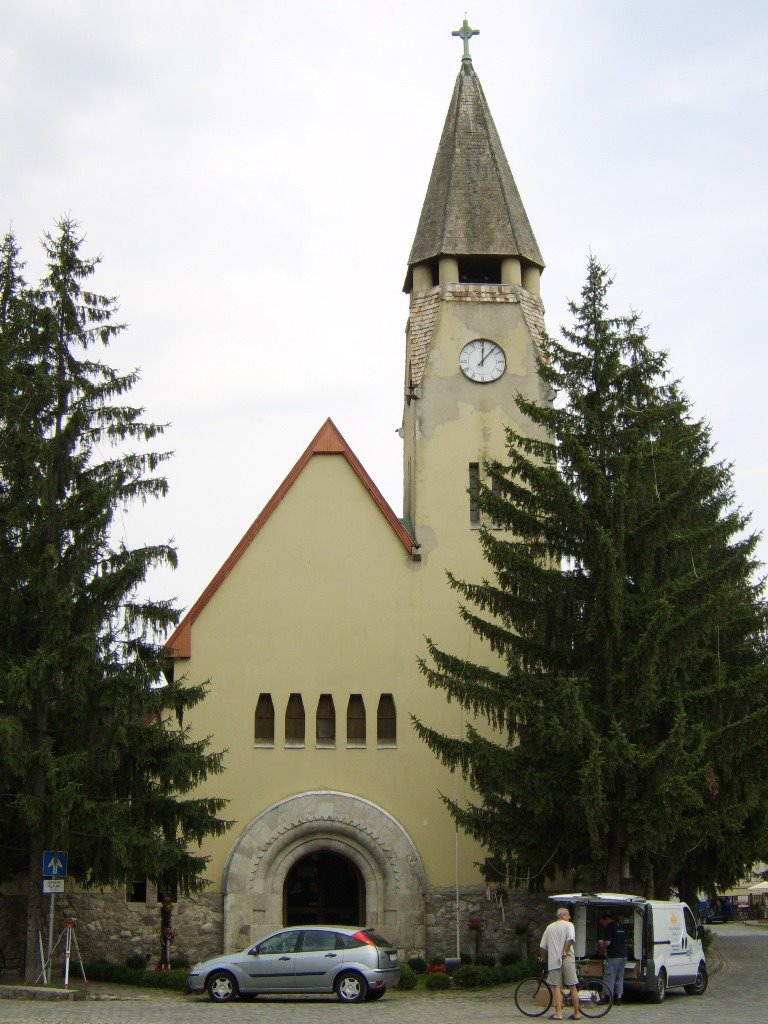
614,946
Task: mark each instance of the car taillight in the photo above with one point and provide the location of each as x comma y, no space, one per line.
364,937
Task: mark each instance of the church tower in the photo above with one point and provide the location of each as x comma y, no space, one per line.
474,321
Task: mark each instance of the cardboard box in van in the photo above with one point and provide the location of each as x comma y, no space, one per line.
664,948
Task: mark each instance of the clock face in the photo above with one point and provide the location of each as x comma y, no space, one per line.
482,360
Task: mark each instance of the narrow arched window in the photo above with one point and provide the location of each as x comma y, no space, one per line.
356,721
264,726
474,492
294,721
326,721
386,721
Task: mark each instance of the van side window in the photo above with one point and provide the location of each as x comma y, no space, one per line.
690,924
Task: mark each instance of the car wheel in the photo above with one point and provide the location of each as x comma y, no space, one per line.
699,987
375,993
657,996
351,987
222,987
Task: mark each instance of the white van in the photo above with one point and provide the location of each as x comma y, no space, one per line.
664,948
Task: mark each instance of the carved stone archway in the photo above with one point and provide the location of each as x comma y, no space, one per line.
340,823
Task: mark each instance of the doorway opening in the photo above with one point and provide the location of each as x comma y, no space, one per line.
324,888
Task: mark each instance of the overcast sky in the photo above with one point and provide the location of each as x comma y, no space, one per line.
252,174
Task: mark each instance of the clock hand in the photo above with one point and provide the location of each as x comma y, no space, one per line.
482,352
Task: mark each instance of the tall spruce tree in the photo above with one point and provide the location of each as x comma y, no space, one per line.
94,756
629,702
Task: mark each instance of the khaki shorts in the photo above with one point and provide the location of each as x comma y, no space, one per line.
564,976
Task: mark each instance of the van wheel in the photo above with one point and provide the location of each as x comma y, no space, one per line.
657,996
699,987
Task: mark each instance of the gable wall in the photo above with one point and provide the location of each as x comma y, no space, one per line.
325,600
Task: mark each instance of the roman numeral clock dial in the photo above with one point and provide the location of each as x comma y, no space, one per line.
482,360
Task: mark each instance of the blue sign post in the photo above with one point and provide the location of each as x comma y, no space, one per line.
55,864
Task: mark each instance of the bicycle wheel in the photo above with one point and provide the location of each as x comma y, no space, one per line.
533,997
595,998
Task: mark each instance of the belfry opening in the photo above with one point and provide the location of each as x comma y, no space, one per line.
324,888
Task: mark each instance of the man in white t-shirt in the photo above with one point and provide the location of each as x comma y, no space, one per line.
557,944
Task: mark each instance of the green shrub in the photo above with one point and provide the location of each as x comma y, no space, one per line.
180,963
467,976
485,960
437,981
495,975
477,976
121,974
407,977
510,957
104,970
466,958
136,962
418,964
530,967
176,980
510,972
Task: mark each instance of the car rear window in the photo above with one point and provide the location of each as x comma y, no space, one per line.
367,937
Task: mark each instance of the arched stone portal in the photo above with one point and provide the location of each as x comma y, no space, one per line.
329,823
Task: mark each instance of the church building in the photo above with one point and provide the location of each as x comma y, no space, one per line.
311,630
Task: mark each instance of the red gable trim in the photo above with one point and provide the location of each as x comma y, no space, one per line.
327,441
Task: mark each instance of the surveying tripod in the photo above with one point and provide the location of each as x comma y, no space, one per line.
70,940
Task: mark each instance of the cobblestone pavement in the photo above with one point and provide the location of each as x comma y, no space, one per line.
738,992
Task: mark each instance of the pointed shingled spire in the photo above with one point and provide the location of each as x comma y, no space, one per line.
472,206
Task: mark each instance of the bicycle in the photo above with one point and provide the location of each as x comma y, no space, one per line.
534,996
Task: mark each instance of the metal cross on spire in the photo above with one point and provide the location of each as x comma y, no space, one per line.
465,33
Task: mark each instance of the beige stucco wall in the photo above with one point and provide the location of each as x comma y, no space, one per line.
326,600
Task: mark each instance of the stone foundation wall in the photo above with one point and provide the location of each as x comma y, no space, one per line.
486,926
108,927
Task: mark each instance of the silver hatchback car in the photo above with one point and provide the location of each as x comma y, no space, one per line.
354,963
